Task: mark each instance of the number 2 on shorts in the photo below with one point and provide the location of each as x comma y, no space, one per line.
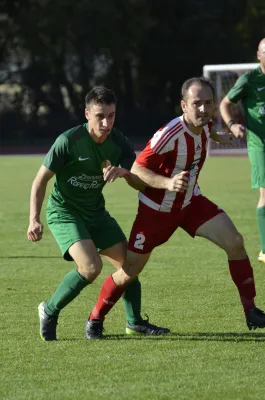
139,242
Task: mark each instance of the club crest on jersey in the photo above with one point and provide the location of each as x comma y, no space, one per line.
104,164
262,110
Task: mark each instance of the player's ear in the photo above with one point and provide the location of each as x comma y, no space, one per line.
87,114
183,105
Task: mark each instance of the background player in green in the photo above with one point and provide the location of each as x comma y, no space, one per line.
250,89
76,213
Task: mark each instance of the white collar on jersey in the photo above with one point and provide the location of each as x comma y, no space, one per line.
181,118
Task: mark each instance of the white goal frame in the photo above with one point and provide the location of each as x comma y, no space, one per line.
237,148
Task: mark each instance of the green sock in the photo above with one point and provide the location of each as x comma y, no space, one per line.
132,302
69,288
261,225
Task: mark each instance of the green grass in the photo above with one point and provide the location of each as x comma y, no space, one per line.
186,286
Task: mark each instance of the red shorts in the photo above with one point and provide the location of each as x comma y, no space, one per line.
152,228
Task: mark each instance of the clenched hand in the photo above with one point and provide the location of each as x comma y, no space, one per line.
35,231
238,130
179,183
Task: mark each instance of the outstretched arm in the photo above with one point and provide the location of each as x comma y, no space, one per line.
111,173
37,195
221,137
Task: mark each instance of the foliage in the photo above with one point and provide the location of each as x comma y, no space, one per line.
54,51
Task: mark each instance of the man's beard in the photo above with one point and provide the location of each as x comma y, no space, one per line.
202,121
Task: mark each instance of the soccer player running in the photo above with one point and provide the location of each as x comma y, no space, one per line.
250,89
76,212
170,166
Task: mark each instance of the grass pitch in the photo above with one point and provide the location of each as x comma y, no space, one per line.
186,286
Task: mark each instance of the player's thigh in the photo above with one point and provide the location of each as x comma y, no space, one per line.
88,261
67,229
199,211
135,263
221,231
261,202
116,254
106,234
257,162
150,229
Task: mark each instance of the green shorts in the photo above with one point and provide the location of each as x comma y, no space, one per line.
257,161
69,227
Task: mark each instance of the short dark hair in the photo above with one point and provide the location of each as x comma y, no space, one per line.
199,80
100,95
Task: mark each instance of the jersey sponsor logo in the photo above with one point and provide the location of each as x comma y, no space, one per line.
83,158
86,182
198,147
193,168
261,88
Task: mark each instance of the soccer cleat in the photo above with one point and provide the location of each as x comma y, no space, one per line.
47,324
255,319
261,257
94,329
145,328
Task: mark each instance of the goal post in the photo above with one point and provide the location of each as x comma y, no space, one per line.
224,77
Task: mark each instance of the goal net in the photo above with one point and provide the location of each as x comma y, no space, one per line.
224,76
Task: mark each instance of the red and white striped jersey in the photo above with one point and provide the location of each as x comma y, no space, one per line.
173,149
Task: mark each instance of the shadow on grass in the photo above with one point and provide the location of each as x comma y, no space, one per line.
193,337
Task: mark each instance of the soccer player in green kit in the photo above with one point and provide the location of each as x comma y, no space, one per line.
250,89
76,212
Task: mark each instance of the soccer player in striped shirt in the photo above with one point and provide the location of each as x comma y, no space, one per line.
170,166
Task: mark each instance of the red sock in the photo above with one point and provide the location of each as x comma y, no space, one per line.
108,296
242,275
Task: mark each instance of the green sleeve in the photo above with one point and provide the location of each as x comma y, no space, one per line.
127,155
58,154
240,88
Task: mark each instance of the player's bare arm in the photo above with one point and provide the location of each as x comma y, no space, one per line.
111,173
178,183
38,190
237,130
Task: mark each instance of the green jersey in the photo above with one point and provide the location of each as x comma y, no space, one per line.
250,88
78,164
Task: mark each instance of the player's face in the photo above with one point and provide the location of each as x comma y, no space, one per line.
261,53
100,118
198,106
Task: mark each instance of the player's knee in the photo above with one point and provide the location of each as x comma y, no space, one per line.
235,245
132,270
90,269
125,275
238,241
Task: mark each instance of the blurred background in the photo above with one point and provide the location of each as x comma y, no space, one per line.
53,51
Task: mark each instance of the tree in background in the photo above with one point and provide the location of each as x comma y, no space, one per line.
53,52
